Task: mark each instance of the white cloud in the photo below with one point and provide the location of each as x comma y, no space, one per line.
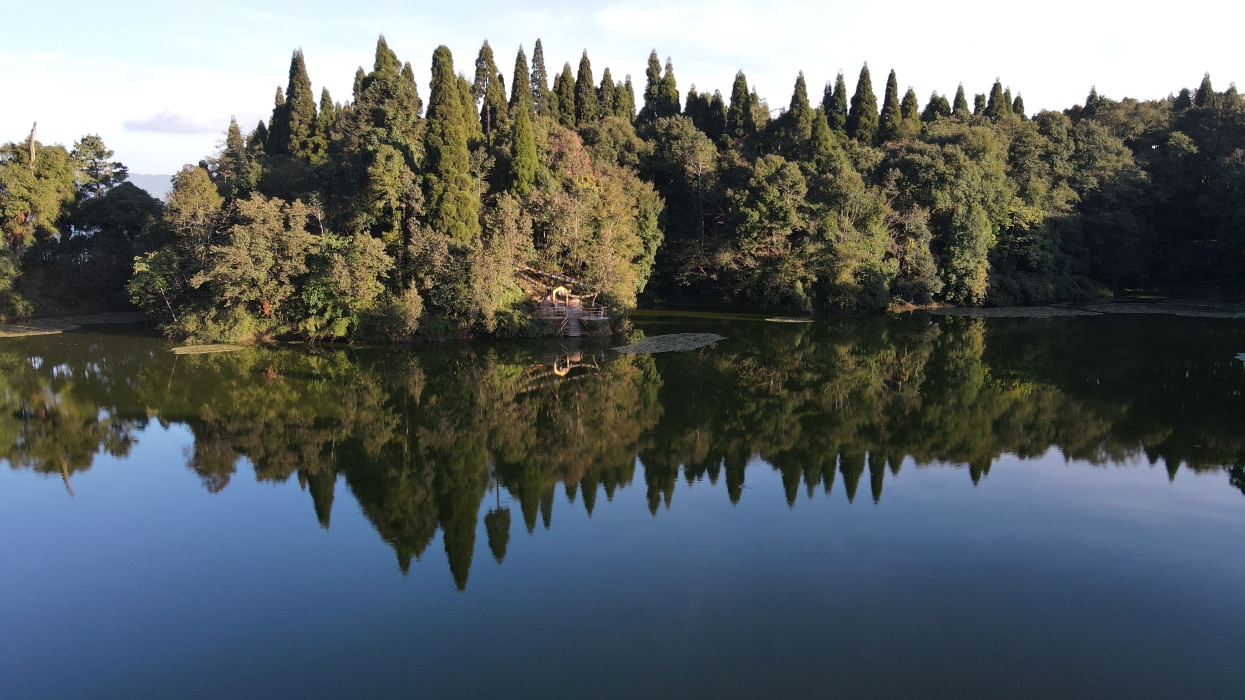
169,122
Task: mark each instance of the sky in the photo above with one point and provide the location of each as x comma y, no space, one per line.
160,80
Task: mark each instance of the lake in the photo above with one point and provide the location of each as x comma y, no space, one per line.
875,507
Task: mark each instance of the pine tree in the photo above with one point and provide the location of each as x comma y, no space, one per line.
566,97
739,120
1018,107
960,106
997,106
668,103
521,88
386,62
862,117
891,121
821,143
522,154
691,109
605,95
408,92
257,140
278,136
652,88
936,108
1205,95
540,82
357,92
555,109
297,117
233,156
910,111
586,105
1007,100
799,116
494,108
453,202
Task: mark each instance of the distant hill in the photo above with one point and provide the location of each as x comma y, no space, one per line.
156,185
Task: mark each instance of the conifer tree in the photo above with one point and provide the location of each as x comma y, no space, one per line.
1183,101
799,115
891,120
862,117
522,153
739,120
626,97
716,116
979,104
278,135
359,75
566,97
486,70
521,88
1007,100
586,104
1018,107
1205,95
472,119
1231,98
386,61
493,109
821,140
936,107
540,82
691,109
910,111
555,109
298,117
668,103
605,95
652,88
759,111
960,106
257,140
997,105
324,127
233,156
408,92
836,108
453,202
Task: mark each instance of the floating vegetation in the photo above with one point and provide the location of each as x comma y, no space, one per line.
786,319
206,349
60,324
1013,312
674,342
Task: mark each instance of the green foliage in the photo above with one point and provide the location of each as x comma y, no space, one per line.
890,123
541,98
862,117
453,200
522,154
587,105
564,87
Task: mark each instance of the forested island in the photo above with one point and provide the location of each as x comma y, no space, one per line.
385,218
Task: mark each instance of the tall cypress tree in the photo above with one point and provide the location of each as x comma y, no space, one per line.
278,138
1007,100
979,104
472,119
486,70
739,121
233,156
386,61
668,102
715,122
408,92
522,153
997,106
624,100
605,95
324,127
799,115
652,88
862,117
452,198
357,91
960,106
890,124
586,105
836,108
299,114
521,88
1018,107
1205,95
494,108
936,108
566,97
540,82
691,108
910,110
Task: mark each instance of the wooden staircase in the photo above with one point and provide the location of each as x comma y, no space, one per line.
573,326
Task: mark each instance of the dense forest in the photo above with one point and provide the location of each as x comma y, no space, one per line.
426,439
383,217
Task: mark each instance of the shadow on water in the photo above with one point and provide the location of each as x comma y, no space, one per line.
425,439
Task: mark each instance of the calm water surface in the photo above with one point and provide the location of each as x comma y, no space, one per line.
873,507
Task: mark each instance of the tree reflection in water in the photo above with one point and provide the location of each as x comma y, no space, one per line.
422,437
